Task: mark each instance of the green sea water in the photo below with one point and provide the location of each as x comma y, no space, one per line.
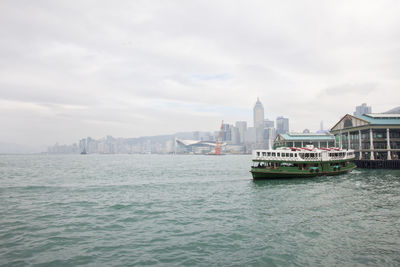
175,210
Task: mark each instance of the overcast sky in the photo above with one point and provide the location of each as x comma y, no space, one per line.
70,69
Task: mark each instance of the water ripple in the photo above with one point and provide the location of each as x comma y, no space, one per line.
118,210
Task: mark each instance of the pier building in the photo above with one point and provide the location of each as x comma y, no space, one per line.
375,137
302,139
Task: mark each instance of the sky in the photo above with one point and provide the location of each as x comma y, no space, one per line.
71,69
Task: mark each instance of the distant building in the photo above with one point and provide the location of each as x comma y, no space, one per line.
226,132
375,138
195,146
269,135
235,135
242,127
303,139
363,109
269,124
282,125
196,135
250,135
258,114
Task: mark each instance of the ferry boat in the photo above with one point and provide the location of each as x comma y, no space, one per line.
294,162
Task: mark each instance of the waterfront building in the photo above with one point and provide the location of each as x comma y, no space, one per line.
363,109
302,139
195,146
375,138
282,125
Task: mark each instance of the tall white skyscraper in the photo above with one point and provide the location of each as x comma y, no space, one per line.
258,113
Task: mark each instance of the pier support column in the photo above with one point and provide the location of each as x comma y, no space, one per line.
348,140
371,144
319,144
302,145
340,140
359,144
389,157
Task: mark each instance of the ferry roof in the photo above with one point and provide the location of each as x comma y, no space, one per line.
307,136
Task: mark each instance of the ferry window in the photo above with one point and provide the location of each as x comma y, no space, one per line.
319,154
278,154
307,155
258,154
264,154
295,155
273,154
269,154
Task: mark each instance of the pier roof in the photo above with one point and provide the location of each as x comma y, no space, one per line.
381,118
374,119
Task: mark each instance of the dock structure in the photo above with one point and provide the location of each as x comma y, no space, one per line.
374,137
377,164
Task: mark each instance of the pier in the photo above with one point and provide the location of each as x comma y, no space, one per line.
378,164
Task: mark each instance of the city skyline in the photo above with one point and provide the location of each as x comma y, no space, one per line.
136,69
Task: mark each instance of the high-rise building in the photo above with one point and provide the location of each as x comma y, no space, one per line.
269,124
269,136
242,126
282,125
235,136
363,109
258,113
250,135
226,132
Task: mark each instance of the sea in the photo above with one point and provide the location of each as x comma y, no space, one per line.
191,210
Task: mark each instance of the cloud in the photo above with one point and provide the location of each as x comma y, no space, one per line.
136,68
360,89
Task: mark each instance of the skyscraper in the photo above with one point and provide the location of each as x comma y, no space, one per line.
259,122
282,125
242,126
363,109
258,112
